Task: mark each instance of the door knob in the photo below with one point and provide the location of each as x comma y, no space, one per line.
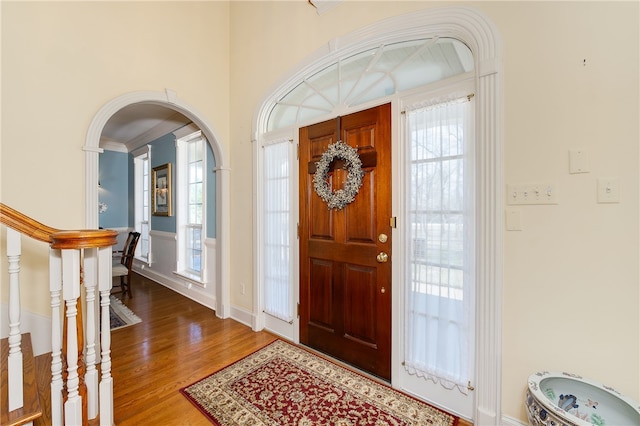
382,257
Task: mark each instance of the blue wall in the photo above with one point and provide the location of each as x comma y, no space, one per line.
114,177
163,151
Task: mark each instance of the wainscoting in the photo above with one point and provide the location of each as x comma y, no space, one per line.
162,266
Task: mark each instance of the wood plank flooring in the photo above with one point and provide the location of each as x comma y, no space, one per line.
177,343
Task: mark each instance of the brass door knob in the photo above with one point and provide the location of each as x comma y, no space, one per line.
382,257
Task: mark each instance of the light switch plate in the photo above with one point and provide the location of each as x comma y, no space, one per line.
608,190
578,161
532,193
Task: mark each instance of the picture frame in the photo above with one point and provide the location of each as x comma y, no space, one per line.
162,190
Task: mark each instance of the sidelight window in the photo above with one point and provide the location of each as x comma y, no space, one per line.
440,240
277,236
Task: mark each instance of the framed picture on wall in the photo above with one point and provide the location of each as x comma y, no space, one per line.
161,193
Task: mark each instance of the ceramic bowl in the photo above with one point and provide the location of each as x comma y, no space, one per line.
556,399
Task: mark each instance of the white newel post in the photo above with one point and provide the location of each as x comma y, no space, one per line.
106,382
15,351
55,287
71,294
91,375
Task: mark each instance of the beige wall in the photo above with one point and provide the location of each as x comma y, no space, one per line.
571,277
571,288
63,61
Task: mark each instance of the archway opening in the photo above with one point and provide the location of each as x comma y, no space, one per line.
168,99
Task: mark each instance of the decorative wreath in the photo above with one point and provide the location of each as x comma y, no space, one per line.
345,195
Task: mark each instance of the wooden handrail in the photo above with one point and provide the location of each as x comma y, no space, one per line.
73,253
25,225
57,238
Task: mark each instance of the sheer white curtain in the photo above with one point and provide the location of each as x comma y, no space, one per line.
277,241
439,334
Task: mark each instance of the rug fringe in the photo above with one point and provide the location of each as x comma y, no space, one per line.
124,312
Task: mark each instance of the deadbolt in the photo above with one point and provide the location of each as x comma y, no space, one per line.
383,238
382,257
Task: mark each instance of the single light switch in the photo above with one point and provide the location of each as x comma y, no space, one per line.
608,190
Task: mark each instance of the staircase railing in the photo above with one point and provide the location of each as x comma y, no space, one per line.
76,258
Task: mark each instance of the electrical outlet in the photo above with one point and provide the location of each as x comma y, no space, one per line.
514,221
532,193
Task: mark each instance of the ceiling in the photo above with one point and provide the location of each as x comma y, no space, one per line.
139,124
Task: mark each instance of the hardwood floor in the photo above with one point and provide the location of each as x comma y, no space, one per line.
177,343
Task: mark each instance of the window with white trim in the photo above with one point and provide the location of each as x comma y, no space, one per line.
439,240
277,237
191,206
141,200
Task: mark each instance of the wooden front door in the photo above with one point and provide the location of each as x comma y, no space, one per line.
345,280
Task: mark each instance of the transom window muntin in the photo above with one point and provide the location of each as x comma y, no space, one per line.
368,75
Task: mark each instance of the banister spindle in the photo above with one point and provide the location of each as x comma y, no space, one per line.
90,269
71,294
55,288
15,363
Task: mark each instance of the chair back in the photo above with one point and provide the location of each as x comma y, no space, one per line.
129,249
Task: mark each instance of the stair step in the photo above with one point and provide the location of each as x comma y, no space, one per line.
31,408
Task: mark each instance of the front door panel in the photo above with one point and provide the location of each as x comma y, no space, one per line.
345,287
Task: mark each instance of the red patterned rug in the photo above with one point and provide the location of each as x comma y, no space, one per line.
282,384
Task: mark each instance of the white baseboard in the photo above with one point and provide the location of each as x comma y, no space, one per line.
179,287
243,316
510,421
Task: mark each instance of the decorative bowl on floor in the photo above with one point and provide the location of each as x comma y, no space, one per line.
558,399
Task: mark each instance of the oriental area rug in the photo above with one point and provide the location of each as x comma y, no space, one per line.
119,315
283,384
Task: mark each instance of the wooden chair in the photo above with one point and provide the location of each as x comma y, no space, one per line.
122,268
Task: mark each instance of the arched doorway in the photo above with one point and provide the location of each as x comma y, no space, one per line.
169,100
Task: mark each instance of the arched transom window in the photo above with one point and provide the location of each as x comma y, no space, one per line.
370,75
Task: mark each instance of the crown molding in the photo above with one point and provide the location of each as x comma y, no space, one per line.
111,145
165,127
